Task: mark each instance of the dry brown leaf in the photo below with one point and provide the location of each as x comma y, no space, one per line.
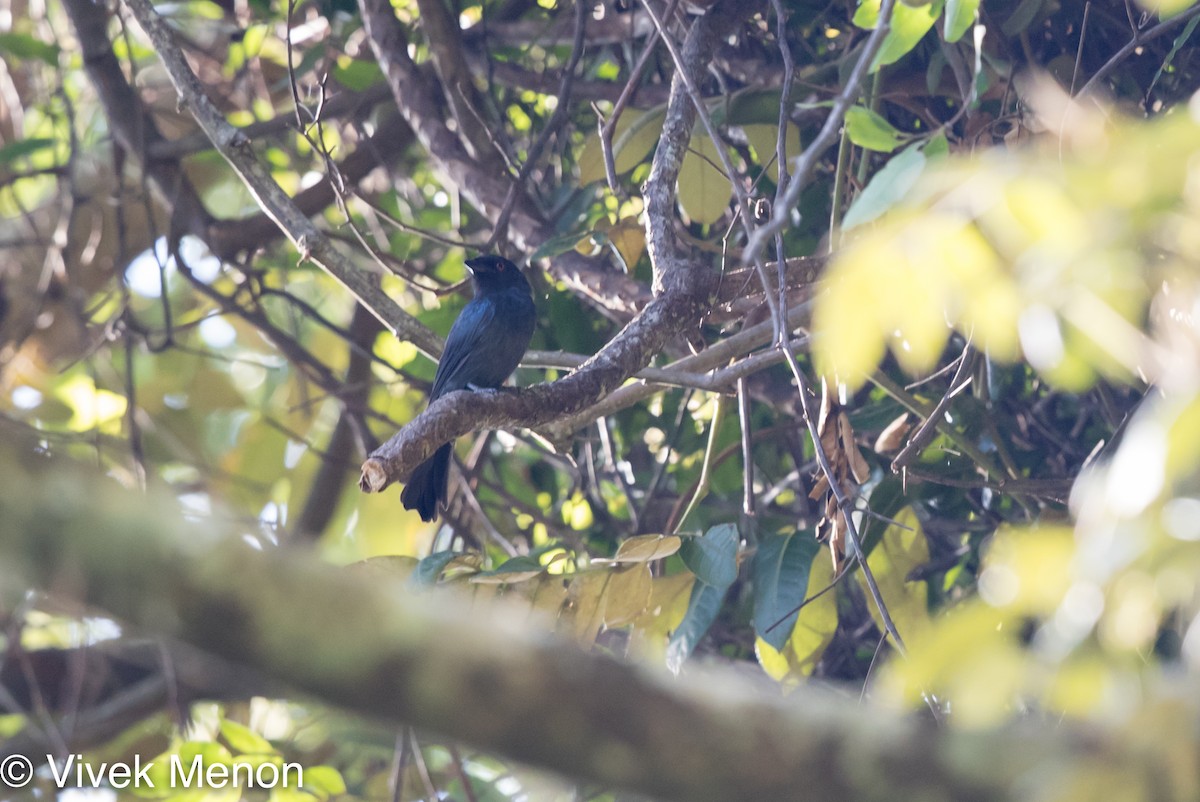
892,437
858,466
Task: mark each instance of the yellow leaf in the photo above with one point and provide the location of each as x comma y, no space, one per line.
704,191
636,134
586,592
812,632
764,139
643,549
668,604
628,594
901,549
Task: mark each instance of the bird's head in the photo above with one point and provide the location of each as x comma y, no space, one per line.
495,272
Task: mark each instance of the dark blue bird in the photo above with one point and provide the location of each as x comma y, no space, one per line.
484,347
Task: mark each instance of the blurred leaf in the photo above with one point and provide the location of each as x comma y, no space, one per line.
516,569
869,130
27,47
780,572
556,245
960,15
358,74
752,106
704,191
392,566
243,740
323,781
909,26
24,147
429,570
1021,17
1180,41
887,187
902,550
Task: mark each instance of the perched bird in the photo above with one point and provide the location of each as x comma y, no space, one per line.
484,347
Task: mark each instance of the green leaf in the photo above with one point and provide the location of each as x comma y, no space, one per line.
24,147
1022,17
429,570
244,740
780,569
887,187
636,135
756,107
909,26
358,75
704,190
703,607
869,130
324,781
25,46
712,557
517,569
960,14
644,549
1180,41
556,245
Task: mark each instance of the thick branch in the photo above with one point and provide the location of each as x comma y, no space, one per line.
683,289
488,678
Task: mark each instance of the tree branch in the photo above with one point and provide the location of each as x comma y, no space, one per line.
683,287
487,677
271,198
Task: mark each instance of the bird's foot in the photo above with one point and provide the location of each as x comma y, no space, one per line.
488,390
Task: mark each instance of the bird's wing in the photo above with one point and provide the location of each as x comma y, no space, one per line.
465,336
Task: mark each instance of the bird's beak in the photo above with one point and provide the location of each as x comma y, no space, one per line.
470,263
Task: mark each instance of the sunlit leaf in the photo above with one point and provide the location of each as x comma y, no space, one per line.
243,740
909,25
902,550
27,47
668,604
869,130
24,147
960,15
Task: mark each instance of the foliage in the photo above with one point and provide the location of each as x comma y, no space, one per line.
1012,288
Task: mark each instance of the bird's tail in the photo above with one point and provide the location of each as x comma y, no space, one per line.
429,486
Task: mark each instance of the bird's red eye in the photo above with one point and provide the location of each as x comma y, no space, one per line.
500,267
